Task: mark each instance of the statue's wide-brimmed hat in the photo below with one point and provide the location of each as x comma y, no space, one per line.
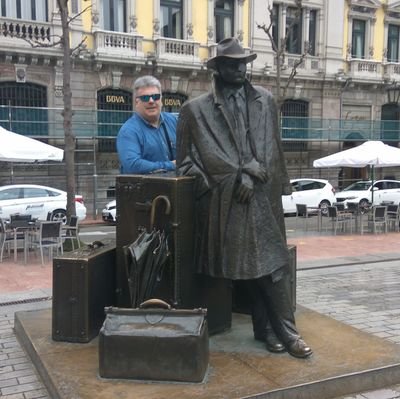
230,48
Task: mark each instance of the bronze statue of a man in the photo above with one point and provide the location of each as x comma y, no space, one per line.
229,139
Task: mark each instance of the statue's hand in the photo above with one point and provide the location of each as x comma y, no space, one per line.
245,189
256,170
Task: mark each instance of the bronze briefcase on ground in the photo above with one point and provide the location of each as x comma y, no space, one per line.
83,284
154,344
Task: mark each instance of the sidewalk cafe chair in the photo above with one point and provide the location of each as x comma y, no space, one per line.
6,238
378,218
303,212
70,231
49,237
20,224
340,219
393,217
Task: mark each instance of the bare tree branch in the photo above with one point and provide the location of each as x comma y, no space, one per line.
71,19
279,48
79,48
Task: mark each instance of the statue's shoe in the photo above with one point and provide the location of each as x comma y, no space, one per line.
299,348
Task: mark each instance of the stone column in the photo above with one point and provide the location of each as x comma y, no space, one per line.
156,19
210,22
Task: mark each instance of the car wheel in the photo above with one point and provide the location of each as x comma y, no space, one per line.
323,205
59,215
363,204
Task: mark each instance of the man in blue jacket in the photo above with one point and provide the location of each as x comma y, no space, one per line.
146,142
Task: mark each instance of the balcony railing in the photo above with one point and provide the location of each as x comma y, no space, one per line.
122,44
368,69
33,31
101,123
177,50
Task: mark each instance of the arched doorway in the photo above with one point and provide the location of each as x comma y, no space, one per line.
390,125
114,107
348,176
21,108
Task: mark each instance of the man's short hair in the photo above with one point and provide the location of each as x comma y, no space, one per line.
146,81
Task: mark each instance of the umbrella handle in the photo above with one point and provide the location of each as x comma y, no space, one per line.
155,303
154,205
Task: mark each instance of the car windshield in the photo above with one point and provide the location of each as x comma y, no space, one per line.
358,186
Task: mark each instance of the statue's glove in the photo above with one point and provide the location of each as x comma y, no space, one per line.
245,189
255,169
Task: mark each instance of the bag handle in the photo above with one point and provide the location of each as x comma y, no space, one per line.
155,303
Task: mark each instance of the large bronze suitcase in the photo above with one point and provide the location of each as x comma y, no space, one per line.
83,284
154,344
180,286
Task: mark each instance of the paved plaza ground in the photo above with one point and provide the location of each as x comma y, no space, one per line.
352,278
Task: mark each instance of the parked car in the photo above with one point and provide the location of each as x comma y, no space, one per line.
37,201
361,192
109,213
311,192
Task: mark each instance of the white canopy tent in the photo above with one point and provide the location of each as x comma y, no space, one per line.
15,147
371,153
18,148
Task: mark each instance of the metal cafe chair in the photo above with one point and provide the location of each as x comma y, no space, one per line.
49,237
6,238
340,219
303,212
393,217
70,231
378,218
20,224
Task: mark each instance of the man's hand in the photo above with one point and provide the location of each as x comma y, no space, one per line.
245,189
256,170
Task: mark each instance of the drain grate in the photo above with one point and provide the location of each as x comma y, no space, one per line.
28,300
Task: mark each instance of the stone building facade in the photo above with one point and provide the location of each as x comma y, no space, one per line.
347,53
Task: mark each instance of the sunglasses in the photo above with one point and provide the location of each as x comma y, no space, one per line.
146,97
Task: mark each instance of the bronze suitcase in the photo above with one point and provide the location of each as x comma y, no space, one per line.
154,344
83,284
180,286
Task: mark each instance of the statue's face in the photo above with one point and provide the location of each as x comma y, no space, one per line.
232,72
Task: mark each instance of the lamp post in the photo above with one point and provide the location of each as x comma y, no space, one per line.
393,93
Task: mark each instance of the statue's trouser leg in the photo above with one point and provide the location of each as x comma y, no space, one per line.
259,315
275,299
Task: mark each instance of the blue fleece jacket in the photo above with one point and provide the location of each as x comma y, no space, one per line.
143,149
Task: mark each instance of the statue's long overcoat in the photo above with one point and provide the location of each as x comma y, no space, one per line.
233,240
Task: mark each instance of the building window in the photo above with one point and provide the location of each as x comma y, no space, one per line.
390,123
358,39
171,18
275,24
74,6
21,108
33,10
223,14
293,30
393,43
294,120
114,15
312,39
114,107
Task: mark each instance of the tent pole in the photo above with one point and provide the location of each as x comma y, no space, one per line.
372,183
12,173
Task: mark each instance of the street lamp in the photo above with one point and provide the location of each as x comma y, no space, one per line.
393,93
